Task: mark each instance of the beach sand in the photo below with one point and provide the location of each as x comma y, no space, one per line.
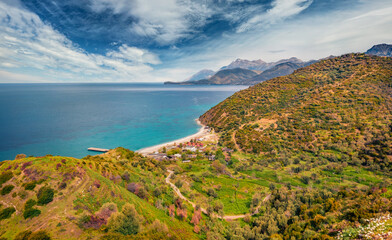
202,133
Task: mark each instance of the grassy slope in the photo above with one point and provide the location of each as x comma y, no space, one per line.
80,197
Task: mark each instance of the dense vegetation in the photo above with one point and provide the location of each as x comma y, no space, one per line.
339,110
111,196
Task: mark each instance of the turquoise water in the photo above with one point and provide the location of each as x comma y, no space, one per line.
66,119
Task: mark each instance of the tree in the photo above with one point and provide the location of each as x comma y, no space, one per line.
127,222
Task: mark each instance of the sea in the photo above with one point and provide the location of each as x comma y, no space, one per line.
66,119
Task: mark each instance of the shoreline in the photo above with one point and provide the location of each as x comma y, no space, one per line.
201,133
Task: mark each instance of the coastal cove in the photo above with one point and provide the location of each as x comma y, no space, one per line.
46,119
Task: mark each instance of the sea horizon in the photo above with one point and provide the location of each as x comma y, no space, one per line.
43,118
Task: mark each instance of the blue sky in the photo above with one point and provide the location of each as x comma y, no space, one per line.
161,40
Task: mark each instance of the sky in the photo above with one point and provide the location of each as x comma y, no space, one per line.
170,40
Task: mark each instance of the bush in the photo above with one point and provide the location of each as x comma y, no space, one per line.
6,212
23,235
5,176
62,185
30,203
40,235
305,179
127,222
31,212
30,185
211,192
7,189
20,156
45,195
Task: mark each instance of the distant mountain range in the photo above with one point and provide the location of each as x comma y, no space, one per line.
382,50
258,65
246,72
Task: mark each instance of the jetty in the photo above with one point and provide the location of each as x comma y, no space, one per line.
97,149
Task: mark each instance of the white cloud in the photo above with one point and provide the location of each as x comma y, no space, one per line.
166,21
133,54
312,36
281,9
28,43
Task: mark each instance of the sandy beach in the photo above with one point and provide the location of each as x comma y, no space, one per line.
202,133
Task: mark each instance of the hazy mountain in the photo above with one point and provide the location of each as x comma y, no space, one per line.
203,74
279,70
231,76
258,65
382,50
236,77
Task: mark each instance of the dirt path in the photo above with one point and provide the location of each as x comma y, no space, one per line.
227,217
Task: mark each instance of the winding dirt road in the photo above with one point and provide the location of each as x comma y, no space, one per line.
227,217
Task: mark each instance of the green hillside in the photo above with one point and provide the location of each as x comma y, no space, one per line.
305,156
338,110
85,192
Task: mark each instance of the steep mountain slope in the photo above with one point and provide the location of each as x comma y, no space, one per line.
382,50
81,191
279,70
231,76
338,110
228,76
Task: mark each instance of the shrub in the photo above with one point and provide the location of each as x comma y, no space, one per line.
25,165
30,185
5,176
62,185
158,226
133,187
211,192
127,222
45,195
157,192
6,212
20,156
31,212
22,194
178,183
125,176
305,179
40,235
84,220
23,235
30,203
7,189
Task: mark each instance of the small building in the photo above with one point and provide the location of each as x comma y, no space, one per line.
191,155
211,157
190,148
186,161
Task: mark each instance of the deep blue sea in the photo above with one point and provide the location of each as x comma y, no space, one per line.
66,119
